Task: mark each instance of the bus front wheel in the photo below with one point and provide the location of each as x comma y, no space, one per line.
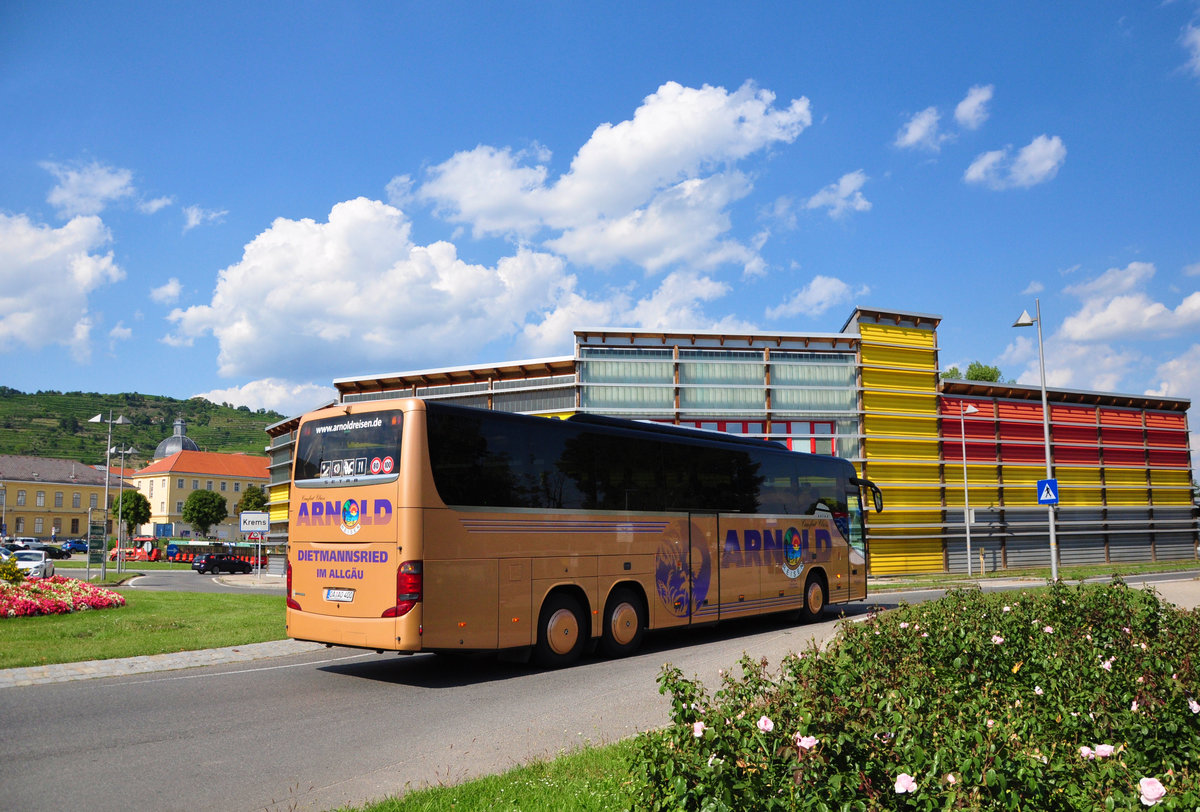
561,631
814,598
624,624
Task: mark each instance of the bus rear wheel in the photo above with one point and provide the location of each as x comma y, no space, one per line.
561,631
814,598
624,624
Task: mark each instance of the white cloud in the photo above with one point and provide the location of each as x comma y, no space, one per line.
120,332
1032,288
46,275
1191,41
155,205
1192,270
167,293
653,190
820,294
843,196
1179,377
921,131
1037,162
1071,364
274,394
972,111
400,191
84,189
195,216
1114,305
354,295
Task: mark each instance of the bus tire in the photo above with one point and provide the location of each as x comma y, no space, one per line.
815,597
624,623
562,631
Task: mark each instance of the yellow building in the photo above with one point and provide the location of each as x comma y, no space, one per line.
51,499
168,482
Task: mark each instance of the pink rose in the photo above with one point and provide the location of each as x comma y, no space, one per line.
1152,791
1087,752
805,742
1104,750
765,724
906,783
698,729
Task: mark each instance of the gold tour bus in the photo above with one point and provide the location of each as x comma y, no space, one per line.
421,526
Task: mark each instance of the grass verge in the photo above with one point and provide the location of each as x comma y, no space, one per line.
587,780
1076,572
149,623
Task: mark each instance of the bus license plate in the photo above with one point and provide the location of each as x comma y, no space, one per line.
339,595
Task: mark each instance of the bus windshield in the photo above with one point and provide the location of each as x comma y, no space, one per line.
349,450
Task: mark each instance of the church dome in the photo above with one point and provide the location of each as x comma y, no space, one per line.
179,441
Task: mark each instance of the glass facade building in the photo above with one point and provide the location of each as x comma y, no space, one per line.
872,394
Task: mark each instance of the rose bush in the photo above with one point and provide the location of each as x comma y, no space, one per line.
1067,698
54,596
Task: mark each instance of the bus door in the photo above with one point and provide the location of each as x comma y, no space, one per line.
705,567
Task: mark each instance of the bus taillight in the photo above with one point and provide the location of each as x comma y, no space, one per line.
408,589
291,602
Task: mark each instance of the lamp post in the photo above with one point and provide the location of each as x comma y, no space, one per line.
3,512
1024,320
120,421
120,494
965,409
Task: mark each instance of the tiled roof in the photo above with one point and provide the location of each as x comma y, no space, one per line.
208,463
15,468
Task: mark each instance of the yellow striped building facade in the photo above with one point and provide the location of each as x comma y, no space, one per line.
870,393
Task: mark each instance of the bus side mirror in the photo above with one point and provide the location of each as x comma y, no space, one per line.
876,494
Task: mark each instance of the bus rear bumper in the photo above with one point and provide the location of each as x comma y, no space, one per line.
372,633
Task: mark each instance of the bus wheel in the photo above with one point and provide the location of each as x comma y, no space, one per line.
624,623
814,598
561,631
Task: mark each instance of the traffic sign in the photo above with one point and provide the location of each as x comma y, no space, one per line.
255,521
1047,491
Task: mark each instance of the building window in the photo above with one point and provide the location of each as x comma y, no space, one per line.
57,526
223,484
179,507
20,525
40,499
152,489
180,484
74,527
58,499
208,487
38,525
237,486
20,498
195,484
93,500
76,500
162,507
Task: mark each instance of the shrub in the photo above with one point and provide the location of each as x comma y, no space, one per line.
1066,698
10,572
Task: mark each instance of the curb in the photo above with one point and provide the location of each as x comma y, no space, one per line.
149,663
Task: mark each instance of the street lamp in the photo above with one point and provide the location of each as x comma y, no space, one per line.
3,512
965,409
120,421
120,494
1024,320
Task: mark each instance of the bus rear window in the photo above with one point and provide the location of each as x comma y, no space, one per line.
348,447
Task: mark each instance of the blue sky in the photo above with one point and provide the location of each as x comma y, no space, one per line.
248,200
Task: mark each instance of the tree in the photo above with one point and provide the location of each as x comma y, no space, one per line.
203,509
134,509
976,371
255,498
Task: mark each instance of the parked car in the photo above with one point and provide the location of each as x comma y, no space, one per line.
218,562
34,563
49,549
75,546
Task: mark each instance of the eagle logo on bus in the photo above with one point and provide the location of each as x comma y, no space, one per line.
674,572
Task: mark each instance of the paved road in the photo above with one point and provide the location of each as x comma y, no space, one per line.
320,728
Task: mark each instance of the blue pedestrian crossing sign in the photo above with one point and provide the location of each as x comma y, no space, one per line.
1047,491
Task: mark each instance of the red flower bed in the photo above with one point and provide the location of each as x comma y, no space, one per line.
56,595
